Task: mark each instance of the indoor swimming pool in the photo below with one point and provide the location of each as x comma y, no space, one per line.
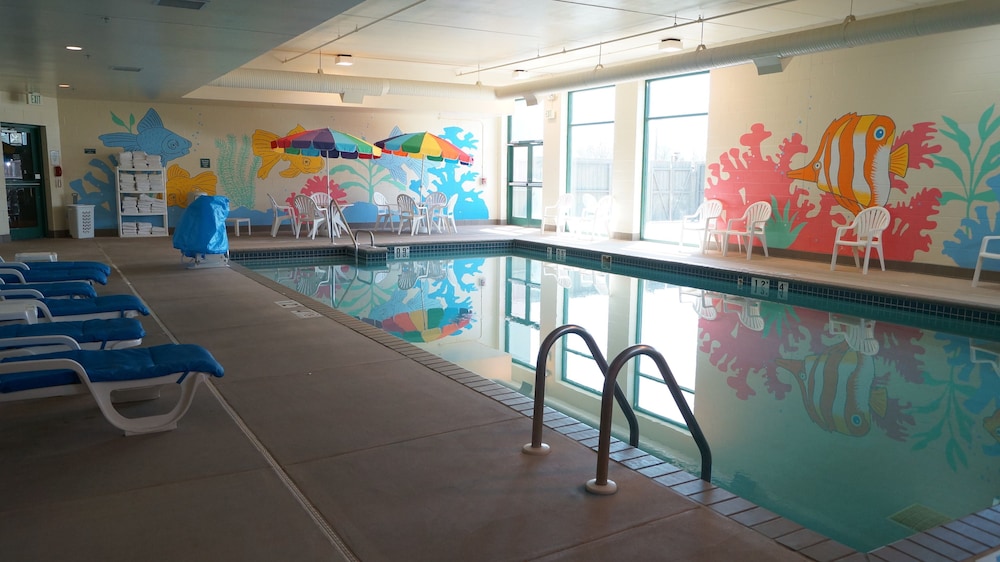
864,428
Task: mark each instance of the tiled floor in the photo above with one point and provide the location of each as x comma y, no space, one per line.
327,440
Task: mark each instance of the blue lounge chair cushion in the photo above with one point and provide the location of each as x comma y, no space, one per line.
115,365
104,303
56,289
83,331
48,275
69,265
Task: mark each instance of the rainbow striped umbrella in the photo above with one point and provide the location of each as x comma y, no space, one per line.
424,146
426,325
328,143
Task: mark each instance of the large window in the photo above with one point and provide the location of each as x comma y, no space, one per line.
591,145
524,165
676,138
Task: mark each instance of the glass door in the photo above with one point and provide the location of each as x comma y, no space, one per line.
524,185
22,171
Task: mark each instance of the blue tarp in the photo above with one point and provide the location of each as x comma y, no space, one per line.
202,228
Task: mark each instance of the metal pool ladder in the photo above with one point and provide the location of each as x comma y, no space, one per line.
601,484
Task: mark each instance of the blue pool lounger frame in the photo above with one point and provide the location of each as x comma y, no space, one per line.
100,373
20,273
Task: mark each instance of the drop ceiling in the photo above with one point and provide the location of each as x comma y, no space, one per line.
140,50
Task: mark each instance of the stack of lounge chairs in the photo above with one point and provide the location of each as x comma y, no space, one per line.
78,342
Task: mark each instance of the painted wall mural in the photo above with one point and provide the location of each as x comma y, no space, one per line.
243,161
867,160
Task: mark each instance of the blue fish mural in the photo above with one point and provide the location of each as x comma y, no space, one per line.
150,137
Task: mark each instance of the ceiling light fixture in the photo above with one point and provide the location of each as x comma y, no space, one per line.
73,48
344,60
671,45
599,66
520,74
64,85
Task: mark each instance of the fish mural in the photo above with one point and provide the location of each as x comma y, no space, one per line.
838,389
854,160
297,163
180,185
992,425
150,137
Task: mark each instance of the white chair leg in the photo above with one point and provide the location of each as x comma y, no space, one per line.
868,252
833,261
979,269
881,258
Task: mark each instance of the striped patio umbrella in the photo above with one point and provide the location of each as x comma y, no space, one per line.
424,146
327,143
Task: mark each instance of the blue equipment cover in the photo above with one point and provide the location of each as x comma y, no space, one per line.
202,228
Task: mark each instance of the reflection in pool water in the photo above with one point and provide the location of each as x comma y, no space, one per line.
860,429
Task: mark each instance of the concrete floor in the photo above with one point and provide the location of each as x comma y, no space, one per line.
327,441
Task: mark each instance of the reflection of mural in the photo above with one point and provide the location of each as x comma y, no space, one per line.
418,300
150,136
853,374
297,163
853,161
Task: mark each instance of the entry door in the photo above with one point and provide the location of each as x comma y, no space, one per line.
22,171
524,187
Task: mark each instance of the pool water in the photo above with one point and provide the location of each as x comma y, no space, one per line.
860,429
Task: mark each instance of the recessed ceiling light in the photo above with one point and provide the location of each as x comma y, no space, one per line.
520,74
73,48
344,60
64,85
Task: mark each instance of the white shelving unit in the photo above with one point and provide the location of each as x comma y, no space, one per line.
141,195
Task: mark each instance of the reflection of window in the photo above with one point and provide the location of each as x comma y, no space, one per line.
586,304
591,142
676,139
676,340
523,307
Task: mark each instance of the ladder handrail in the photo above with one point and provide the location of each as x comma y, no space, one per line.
536,446
601,484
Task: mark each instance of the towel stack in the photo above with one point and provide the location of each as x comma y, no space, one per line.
139,160
126,181
143,205
142,229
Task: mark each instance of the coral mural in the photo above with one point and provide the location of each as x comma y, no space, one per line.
803,222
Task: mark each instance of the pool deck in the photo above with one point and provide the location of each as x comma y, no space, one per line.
327,440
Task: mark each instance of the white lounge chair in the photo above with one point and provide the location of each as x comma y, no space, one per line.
46,337
102,307
120,371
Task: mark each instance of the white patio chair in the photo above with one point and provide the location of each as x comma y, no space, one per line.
703,219
308,213
557,214
983,254
448,216
325,204
385,213
282,213
864,232
409,213
753,220
436,202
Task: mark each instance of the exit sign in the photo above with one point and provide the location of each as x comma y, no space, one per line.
34,98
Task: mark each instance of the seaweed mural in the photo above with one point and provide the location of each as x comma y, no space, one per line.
971,174
97,188
237,169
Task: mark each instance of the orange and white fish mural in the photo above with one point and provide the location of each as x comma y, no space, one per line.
297,163
854,160
180,185
838,389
